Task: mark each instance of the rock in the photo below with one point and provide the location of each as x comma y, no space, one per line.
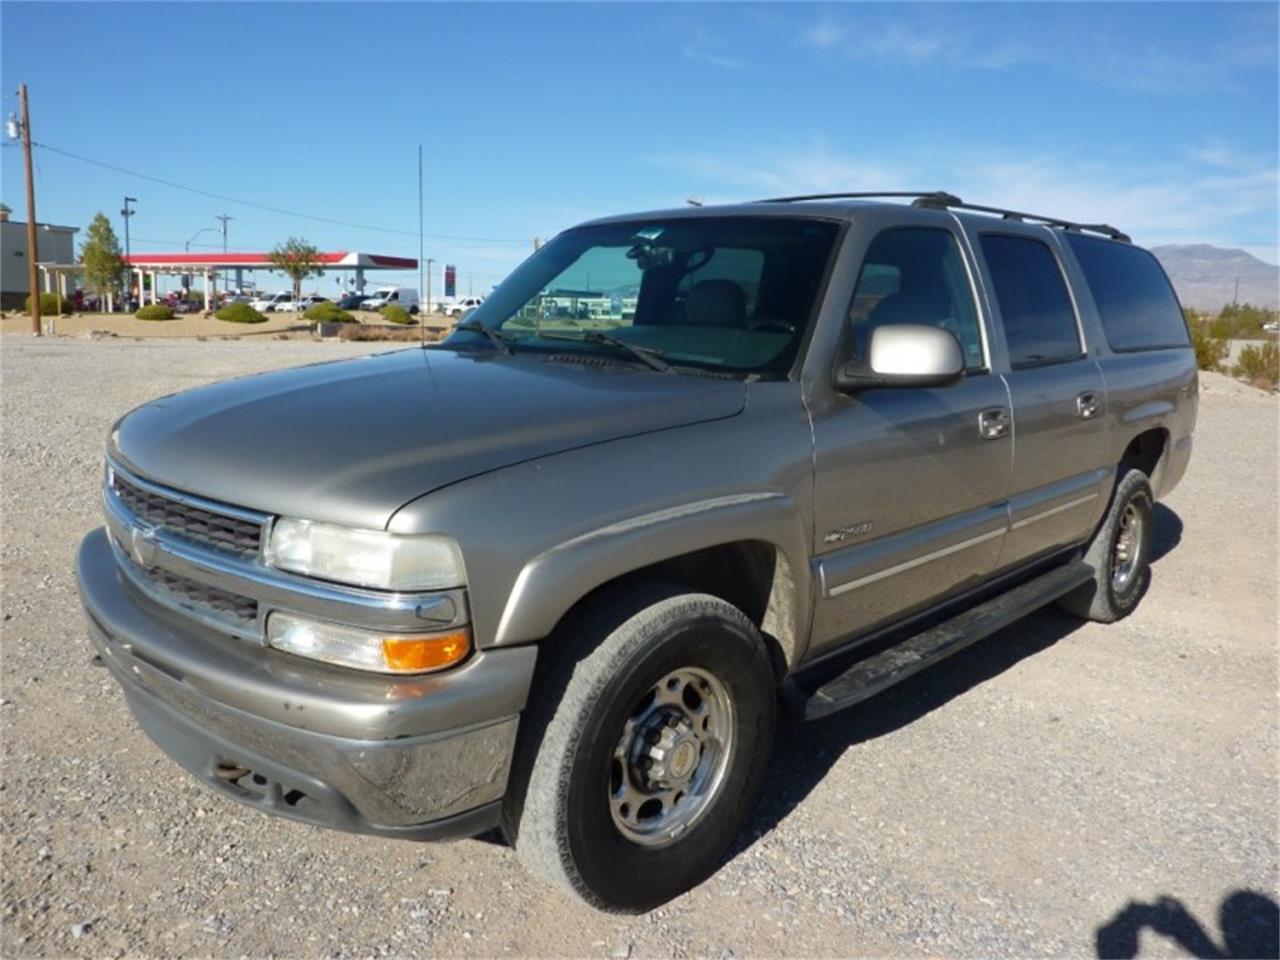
78,930
622,951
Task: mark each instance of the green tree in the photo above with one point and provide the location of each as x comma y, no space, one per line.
298,260
100,257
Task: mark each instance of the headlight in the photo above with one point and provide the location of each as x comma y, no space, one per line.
349,647
365,558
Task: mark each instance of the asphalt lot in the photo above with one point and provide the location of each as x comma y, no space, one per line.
1059,789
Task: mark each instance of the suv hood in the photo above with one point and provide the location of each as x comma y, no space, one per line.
352,441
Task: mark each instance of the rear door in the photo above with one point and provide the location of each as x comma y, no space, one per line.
1060,472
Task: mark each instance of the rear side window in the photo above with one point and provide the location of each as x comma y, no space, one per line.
1137,305
1039,323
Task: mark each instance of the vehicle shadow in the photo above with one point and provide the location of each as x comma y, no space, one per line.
805,752
1166,531
1249,923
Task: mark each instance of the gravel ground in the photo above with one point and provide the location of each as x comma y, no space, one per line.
192,325
1054,789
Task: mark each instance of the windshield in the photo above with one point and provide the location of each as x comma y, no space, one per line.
729,293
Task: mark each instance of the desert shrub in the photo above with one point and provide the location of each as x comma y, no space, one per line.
356,331
394,313
1242,321
1210,349
240,313
326,311
1259,365
154,311
49,305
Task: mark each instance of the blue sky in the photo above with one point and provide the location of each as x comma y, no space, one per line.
1159,118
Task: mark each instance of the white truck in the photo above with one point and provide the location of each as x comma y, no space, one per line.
461,307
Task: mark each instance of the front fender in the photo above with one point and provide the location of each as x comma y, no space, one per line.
553,581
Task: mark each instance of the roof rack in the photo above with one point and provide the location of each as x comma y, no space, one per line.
943,200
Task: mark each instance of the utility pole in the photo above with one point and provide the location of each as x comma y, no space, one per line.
1235,297
33,273
224,218
127,213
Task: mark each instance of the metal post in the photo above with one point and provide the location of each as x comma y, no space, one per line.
430,261
32,252
422,312
223,218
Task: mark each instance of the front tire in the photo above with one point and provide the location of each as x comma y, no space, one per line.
643,747
1120,555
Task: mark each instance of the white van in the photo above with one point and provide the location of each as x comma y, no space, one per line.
406,297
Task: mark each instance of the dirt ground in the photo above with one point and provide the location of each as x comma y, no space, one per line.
1059,789
185,325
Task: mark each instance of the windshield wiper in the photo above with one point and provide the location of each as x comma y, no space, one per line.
502,341
647,355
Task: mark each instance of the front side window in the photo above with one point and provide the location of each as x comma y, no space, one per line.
732,294
1135,301
1035,307
917,275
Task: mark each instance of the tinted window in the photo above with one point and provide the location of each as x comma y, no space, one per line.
1135,301
917,275
1039,324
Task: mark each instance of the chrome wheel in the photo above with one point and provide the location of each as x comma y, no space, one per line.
670,761
1126,555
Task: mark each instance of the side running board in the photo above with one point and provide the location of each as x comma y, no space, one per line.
880,671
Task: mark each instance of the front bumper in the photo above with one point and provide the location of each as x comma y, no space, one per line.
422,757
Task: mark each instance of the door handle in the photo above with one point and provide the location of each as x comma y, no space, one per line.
1087,406
994,423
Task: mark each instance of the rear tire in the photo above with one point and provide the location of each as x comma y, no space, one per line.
646,739
1120,555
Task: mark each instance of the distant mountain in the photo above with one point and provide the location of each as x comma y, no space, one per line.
1205,276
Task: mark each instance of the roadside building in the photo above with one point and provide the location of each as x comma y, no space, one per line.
54,245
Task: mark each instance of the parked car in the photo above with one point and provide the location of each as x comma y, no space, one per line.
351,301
560,580
406,297
461,307
309,301
269,303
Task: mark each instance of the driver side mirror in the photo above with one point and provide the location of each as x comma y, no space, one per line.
904,355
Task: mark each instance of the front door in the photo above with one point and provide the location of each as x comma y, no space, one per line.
911,485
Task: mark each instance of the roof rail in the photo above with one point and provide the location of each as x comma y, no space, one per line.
1102,228
943,200
937,197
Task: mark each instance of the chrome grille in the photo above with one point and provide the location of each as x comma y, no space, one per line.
218,602
210,601
190,522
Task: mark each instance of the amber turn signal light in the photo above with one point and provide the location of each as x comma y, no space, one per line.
418,654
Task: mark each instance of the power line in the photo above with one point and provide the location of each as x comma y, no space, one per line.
262,206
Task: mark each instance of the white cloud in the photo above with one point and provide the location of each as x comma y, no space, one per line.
824,34
930,34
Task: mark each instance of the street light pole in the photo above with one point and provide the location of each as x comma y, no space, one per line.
127,213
